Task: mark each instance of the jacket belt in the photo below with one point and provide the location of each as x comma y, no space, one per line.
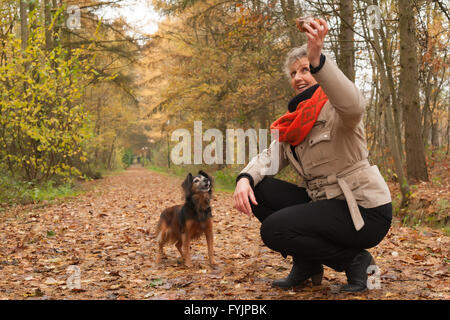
355,214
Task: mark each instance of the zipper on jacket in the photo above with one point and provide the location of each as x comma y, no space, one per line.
302,174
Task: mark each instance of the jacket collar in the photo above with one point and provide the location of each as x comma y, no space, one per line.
305,95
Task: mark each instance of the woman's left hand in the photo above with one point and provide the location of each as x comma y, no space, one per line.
316,34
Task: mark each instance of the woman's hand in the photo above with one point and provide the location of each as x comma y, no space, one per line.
241,195
316,34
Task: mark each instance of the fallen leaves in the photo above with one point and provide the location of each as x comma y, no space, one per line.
418,257
109,235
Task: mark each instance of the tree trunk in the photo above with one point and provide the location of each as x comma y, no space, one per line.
24,35
416,166
47,23
23,24
388,61
435,134
346,59
388,97
111,152
290,14
427,115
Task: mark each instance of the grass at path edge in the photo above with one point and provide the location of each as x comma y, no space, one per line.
223,180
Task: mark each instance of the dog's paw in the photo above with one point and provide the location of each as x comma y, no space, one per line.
213,264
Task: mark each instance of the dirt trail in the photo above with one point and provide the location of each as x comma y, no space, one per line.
107,233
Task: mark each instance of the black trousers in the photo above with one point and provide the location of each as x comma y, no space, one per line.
319,232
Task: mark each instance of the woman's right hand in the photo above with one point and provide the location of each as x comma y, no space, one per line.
241,195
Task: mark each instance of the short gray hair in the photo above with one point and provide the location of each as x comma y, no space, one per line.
294,55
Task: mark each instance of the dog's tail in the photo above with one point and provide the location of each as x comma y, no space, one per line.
163,232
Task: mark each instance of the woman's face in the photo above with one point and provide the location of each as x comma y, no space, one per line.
301,78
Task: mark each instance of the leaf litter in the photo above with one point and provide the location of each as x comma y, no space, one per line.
108,232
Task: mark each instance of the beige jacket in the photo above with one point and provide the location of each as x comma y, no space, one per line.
333,157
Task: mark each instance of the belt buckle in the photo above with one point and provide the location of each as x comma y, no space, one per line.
315,184
312,194
320,183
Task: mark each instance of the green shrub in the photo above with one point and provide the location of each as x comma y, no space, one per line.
13,191
127,158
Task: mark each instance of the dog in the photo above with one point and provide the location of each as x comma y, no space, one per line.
180,224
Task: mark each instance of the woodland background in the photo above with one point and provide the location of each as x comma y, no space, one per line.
77,103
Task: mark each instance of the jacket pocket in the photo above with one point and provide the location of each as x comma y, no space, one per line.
319,149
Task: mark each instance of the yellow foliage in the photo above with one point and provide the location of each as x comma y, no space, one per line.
42,118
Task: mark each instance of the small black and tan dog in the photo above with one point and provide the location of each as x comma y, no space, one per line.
181,223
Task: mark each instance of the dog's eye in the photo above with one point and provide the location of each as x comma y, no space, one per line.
196,180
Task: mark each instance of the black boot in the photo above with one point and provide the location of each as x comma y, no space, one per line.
357,272
301,271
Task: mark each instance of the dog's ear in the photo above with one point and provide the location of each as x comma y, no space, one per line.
203,173
210,178
187,185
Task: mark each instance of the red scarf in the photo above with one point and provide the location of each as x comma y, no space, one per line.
294,126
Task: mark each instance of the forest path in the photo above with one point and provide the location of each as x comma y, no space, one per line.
107,233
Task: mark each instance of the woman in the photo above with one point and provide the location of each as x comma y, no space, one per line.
344,205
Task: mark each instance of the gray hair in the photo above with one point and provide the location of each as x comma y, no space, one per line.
292,56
